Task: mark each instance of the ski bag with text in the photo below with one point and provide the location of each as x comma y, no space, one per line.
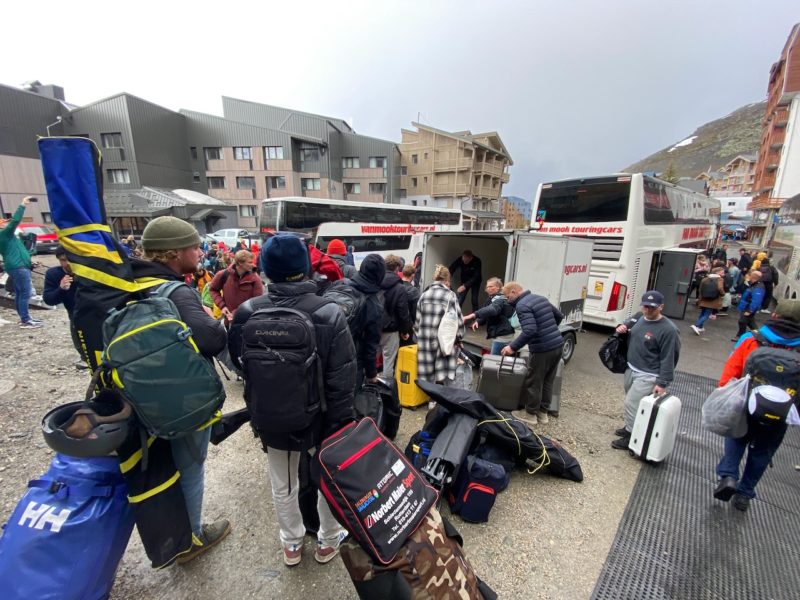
372,489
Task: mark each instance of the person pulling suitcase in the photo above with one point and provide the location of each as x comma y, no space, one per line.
654,346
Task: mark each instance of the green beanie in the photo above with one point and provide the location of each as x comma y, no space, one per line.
169,233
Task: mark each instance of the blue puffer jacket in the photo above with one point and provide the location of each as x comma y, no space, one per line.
752,298
539,321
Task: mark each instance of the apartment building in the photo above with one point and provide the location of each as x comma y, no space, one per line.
152,155
454,170
516,211
777,172
734,179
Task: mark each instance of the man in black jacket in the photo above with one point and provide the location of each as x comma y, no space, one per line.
396,322
286,264
366,330
171,251
469,267
539,321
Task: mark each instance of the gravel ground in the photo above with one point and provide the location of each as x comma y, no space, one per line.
546,538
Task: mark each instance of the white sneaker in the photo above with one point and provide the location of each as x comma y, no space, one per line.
696,329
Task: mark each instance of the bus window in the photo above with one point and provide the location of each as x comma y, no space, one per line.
269,217
373,243
586,203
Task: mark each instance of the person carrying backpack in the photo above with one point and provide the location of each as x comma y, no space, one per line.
770,280
712,290
771,356
235,284
361,301
299,367
396,322
338,253
171,250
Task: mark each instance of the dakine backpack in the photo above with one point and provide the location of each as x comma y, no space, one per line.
772,367
151,358
284,387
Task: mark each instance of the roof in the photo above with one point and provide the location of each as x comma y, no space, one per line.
150,201
201,215
467,137
337,123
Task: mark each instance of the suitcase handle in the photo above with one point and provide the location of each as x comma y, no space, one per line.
506,367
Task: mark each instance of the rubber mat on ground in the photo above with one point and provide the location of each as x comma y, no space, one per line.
676,541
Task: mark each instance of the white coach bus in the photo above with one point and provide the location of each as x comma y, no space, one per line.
785,249
633,220
367,226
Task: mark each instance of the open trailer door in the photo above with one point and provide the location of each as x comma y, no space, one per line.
672,275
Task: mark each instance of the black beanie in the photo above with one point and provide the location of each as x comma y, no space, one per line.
373,268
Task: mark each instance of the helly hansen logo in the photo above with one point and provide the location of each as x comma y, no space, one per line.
37,515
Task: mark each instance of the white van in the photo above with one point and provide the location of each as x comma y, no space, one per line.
554,267
230,236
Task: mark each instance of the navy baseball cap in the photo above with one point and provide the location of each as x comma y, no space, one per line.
653,298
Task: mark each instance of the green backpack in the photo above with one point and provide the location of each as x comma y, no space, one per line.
151,358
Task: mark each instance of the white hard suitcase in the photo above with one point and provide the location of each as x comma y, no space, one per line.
655,428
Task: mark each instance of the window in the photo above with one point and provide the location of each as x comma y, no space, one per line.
276,183
425,179
425,156
309,154
193,152
350,162
196,177
213,153
374,243
111,140
241,153
587,203
308,183
352,188
377,188
46,217
273,152
246,183
414,159
403,170
401,193
216,183
413,182
247,211
379,162
118,176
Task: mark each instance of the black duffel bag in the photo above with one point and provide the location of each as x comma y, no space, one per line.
614,353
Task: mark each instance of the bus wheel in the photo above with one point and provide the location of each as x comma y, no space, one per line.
568,349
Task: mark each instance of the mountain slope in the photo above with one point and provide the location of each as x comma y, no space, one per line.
712,144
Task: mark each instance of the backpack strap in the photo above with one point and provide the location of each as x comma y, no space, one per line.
166,289
308,303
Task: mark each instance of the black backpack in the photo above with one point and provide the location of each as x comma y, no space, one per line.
614,353
709,289
284,387
351,302
774,366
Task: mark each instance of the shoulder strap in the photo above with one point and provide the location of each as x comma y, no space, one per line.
166,289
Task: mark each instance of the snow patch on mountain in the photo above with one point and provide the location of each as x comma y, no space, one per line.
685,142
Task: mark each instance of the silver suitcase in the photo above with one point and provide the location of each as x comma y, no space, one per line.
656,427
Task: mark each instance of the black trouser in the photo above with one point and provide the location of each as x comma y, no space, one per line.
537,390
768,287
746,322
475,289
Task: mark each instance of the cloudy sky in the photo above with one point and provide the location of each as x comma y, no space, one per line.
574,88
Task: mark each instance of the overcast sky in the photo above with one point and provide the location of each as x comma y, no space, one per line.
574,88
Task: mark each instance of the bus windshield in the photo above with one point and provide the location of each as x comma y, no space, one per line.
269,217
575,202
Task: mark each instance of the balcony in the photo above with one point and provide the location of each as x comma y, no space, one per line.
505,177
772,167
452,164
450,189
495,169
765,204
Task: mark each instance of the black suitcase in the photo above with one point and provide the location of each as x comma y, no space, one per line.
501,380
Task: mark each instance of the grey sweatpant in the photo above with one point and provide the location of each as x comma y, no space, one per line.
637,386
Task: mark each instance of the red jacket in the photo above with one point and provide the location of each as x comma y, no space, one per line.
235,290
734,366
323,264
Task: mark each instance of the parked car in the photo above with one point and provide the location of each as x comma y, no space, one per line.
46,238
230,236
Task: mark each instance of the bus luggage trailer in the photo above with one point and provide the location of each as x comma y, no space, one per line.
554,267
